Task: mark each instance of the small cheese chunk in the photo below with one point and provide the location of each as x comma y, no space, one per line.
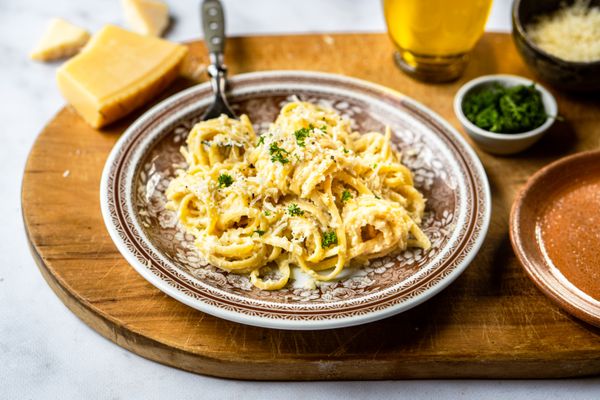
117,72
61,39
193,67
148,17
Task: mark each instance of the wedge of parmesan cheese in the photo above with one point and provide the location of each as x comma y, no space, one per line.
61,39
147,17
117,72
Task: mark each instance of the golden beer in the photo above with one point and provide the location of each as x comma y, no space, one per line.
434,37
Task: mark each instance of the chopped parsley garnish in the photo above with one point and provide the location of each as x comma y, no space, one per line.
346,196
329,239
259,232
506,109
375,166
346,150
301,135
225,180
261,140
294,210
267,213
324,128
278,154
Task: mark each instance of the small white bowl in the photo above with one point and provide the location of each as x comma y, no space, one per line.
504,143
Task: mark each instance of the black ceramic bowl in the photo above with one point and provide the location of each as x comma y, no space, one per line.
567,75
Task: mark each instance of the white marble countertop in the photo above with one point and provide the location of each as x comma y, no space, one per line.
48,353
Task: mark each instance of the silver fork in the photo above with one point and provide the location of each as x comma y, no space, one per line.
213,24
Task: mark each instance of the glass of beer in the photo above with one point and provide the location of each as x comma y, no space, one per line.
434,37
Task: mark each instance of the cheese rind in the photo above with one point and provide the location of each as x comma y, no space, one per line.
117,72
147,17
60,39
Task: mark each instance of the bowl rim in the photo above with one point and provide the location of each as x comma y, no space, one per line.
518,26
576,302
508,79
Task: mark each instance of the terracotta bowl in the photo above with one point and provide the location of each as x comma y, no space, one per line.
553,225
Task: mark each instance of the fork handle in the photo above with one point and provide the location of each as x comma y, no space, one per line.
213,24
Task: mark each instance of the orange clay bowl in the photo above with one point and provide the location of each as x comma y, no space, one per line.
555,233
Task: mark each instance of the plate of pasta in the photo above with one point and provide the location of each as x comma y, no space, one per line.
329,202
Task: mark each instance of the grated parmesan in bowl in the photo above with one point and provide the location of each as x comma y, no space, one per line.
571,33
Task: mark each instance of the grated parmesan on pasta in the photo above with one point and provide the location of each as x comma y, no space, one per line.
572,33
309,193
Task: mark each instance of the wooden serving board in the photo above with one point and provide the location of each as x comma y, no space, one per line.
491,323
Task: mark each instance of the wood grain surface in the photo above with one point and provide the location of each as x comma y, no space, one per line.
491,323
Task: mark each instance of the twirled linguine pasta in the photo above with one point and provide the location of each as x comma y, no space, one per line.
308,192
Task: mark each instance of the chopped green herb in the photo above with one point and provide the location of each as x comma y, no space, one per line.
506,109
346,150
261,140
329,239
377,197
375,166
324,128
259,232
294,210
267,213
278,154
279,157
206,142
301,135
225,180
346,196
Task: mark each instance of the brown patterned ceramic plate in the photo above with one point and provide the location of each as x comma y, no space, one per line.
445,168
555,232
